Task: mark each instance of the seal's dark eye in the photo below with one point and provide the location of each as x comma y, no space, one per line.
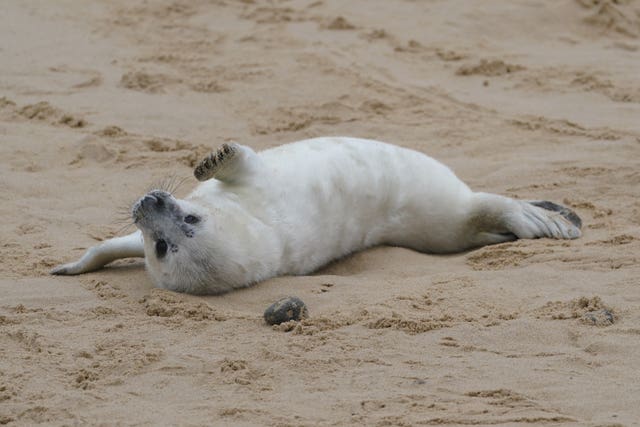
161,248
191,219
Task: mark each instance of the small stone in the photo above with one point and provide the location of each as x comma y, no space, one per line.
284,310
602,317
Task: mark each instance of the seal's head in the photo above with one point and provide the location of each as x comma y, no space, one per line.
173,232
204,244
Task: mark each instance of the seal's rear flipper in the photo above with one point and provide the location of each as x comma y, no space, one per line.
497,218
96,257
562,210
531,220
229,163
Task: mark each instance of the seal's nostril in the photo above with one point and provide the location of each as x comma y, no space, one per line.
159,194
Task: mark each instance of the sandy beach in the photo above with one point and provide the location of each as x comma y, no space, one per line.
532,99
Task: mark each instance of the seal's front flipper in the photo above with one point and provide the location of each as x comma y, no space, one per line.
96,257
230,163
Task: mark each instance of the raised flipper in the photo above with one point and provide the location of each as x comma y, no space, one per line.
229,163
96,257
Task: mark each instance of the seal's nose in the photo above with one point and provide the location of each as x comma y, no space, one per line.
157,201
160,196
149,200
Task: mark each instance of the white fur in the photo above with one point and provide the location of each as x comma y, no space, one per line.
294,208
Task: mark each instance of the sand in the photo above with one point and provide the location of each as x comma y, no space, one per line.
531,99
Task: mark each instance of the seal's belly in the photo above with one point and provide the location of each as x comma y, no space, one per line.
339,195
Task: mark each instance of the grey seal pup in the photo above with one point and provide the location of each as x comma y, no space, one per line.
292,209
